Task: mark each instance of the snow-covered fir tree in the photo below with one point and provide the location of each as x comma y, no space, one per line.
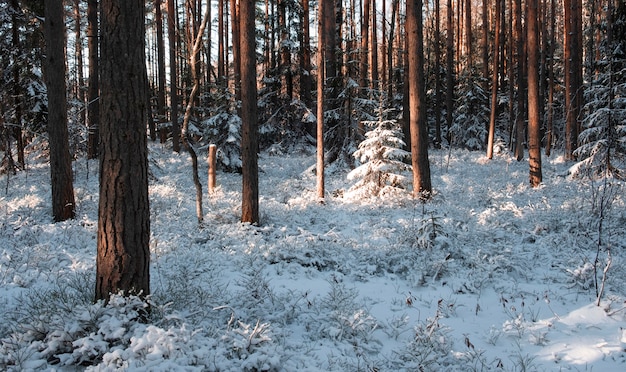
381,157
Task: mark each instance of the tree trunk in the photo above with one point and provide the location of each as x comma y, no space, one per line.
374,48
306,84
160,61
249,125
534,118
321,68
449,72
195,41
171,36
494,82
93,90
550,58
123,258
285,52
417,108
390,67
16,87
60,160
365,22
221,64
234,16
80,78
437,52
521,86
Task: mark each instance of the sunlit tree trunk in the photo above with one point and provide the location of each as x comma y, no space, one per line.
534,117
417,107
249,126
520,61
63,205
160,63
123,257
494,81
221,64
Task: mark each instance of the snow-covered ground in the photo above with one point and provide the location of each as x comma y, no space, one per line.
489,275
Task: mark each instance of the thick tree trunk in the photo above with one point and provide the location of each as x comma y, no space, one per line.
123,258
534,117
521,82
93,90
285,52
249,125
417,108
60,160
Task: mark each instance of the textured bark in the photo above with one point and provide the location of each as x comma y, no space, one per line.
93,89
249,125
285,52
534,116
123,258
221,64
520,61
417,107
60,160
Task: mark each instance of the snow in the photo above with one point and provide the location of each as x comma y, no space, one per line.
488,275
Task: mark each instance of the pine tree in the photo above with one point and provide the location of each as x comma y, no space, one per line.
382,159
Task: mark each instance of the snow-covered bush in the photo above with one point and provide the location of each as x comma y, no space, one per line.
224,130
381,157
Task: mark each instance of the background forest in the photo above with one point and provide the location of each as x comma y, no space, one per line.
479,271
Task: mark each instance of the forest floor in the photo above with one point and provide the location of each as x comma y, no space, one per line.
488,275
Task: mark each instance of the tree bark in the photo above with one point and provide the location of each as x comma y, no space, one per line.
249,125
60,160
122,263
417,108
534,117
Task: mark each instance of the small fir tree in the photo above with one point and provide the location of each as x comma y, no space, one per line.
382,159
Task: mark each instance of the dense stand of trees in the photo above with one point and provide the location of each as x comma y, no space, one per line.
501,75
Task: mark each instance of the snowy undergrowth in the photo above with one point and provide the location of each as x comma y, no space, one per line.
488,275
